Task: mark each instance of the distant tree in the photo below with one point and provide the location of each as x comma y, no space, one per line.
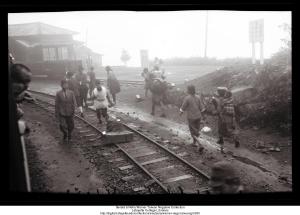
125,57
283,56
287,40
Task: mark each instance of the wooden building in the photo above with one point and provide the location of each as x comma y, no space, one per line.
49,51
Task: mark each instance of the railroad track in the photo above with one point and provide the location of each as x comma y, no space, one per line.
144,164
125,82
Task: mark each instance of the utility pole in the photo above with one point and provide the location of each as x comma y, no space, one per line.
253,53
261,53
86,33
88,52
206,27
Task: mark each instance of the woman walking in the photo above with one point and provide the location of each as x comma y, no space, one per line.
193,106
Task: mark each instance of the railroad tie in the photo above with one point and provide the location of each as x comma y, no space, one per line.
144,163
138,189
94,139
90,135
155,160
126,167
84,131
178,178
144,154
106,154
137,148
164,168
130,177
115,160
182,154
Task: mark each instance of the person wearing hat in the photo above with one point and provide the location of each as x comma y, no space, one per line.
227,126
224,179
112,83
65,104
83,88
192,104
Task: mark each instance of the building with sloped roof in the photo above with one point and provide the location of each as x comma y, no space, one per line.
48,50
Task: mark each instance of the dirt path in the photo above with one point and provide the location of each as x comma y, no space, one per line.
54,166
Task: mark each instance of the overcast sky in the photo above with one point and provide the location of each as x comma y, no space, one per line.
165,34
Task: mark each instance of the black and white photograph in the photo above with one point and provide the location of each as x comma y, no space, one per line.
150,102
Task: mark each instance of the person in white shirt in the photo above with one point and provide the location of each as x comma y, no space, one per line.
101,101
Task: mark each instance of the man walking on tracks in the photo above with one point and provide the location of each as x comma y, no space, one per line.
65,104
83,87
92,82
112,83
102,101
194,107
227,126
73,85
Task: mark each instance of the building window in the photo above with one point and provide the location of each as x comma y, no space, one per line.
62,53
49,54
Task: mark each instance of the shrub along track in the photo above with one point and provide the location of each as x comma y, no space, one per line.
144,165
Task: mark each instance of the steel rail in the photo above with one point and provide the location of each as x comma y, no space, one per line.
146,171
125,81
82,119
119,147
156,143
172,153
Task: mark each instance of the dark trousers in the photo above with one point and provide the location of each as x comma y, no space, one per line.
102,112
114,97
194,126
83,95
92,86
66,124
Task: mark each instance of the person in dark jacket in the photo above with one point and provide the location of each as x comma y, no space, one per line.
73,85
65,104
81,78
92,82
112,83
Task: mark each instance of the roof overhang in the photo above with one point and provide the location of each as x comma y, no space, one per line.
29,44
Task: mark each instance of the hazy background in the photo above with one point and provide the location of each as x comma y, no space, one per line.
165,34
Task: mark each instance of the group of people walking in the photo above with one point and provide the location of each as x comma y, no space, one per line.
77,87
76,90
223,109
221,101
